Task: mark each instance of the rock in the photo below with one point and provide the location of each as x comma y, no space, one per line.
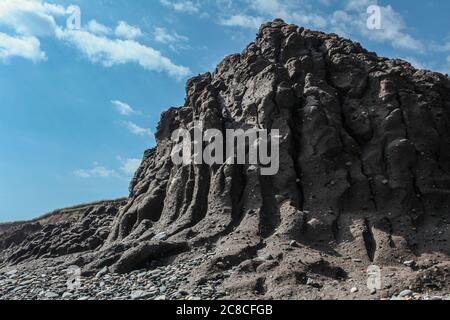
160,236
11,273
406,293
409,263
102,272
163,297
141,295
84,298
310,282
51,295
354,290
67,295
145,252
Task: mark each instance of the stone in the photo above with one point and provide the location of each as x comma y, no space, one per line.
160,236
102,272
141,295
409,263
51,295
84,298
406,293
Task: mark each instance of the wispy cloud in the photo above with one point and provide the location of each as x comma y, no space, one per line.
241,20
124,30
393,27
32,19
27,47
129,166
109,52
97,28
186,6
137,130
350,20
162,35
123,108
98,171
127,169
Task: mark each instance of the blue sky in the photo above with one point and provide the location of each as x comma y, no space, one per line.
79,106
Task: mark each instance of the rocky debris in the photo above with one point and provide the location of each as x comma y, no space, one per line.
364,180
18,234
159,283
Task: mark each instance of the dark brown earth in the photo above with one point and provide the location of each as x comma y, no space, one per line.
364,180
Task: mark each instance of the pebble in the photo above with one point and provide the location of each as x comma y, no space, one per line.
406,293
102,272
84,298
11,273
162,283
160,236
409,263
354,290
66,295
51,295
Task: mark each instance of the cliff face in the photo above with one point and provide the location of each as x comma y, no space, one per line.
365,152
364,168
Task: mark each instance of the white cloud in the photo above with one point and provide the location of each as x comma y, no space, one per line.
97,28
137,130
30,17
181,6
27,47
441,47
124,30
349,22
164,36
359,5
109,52
129,166
291,11
123,108
97,171
393,27
241,20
